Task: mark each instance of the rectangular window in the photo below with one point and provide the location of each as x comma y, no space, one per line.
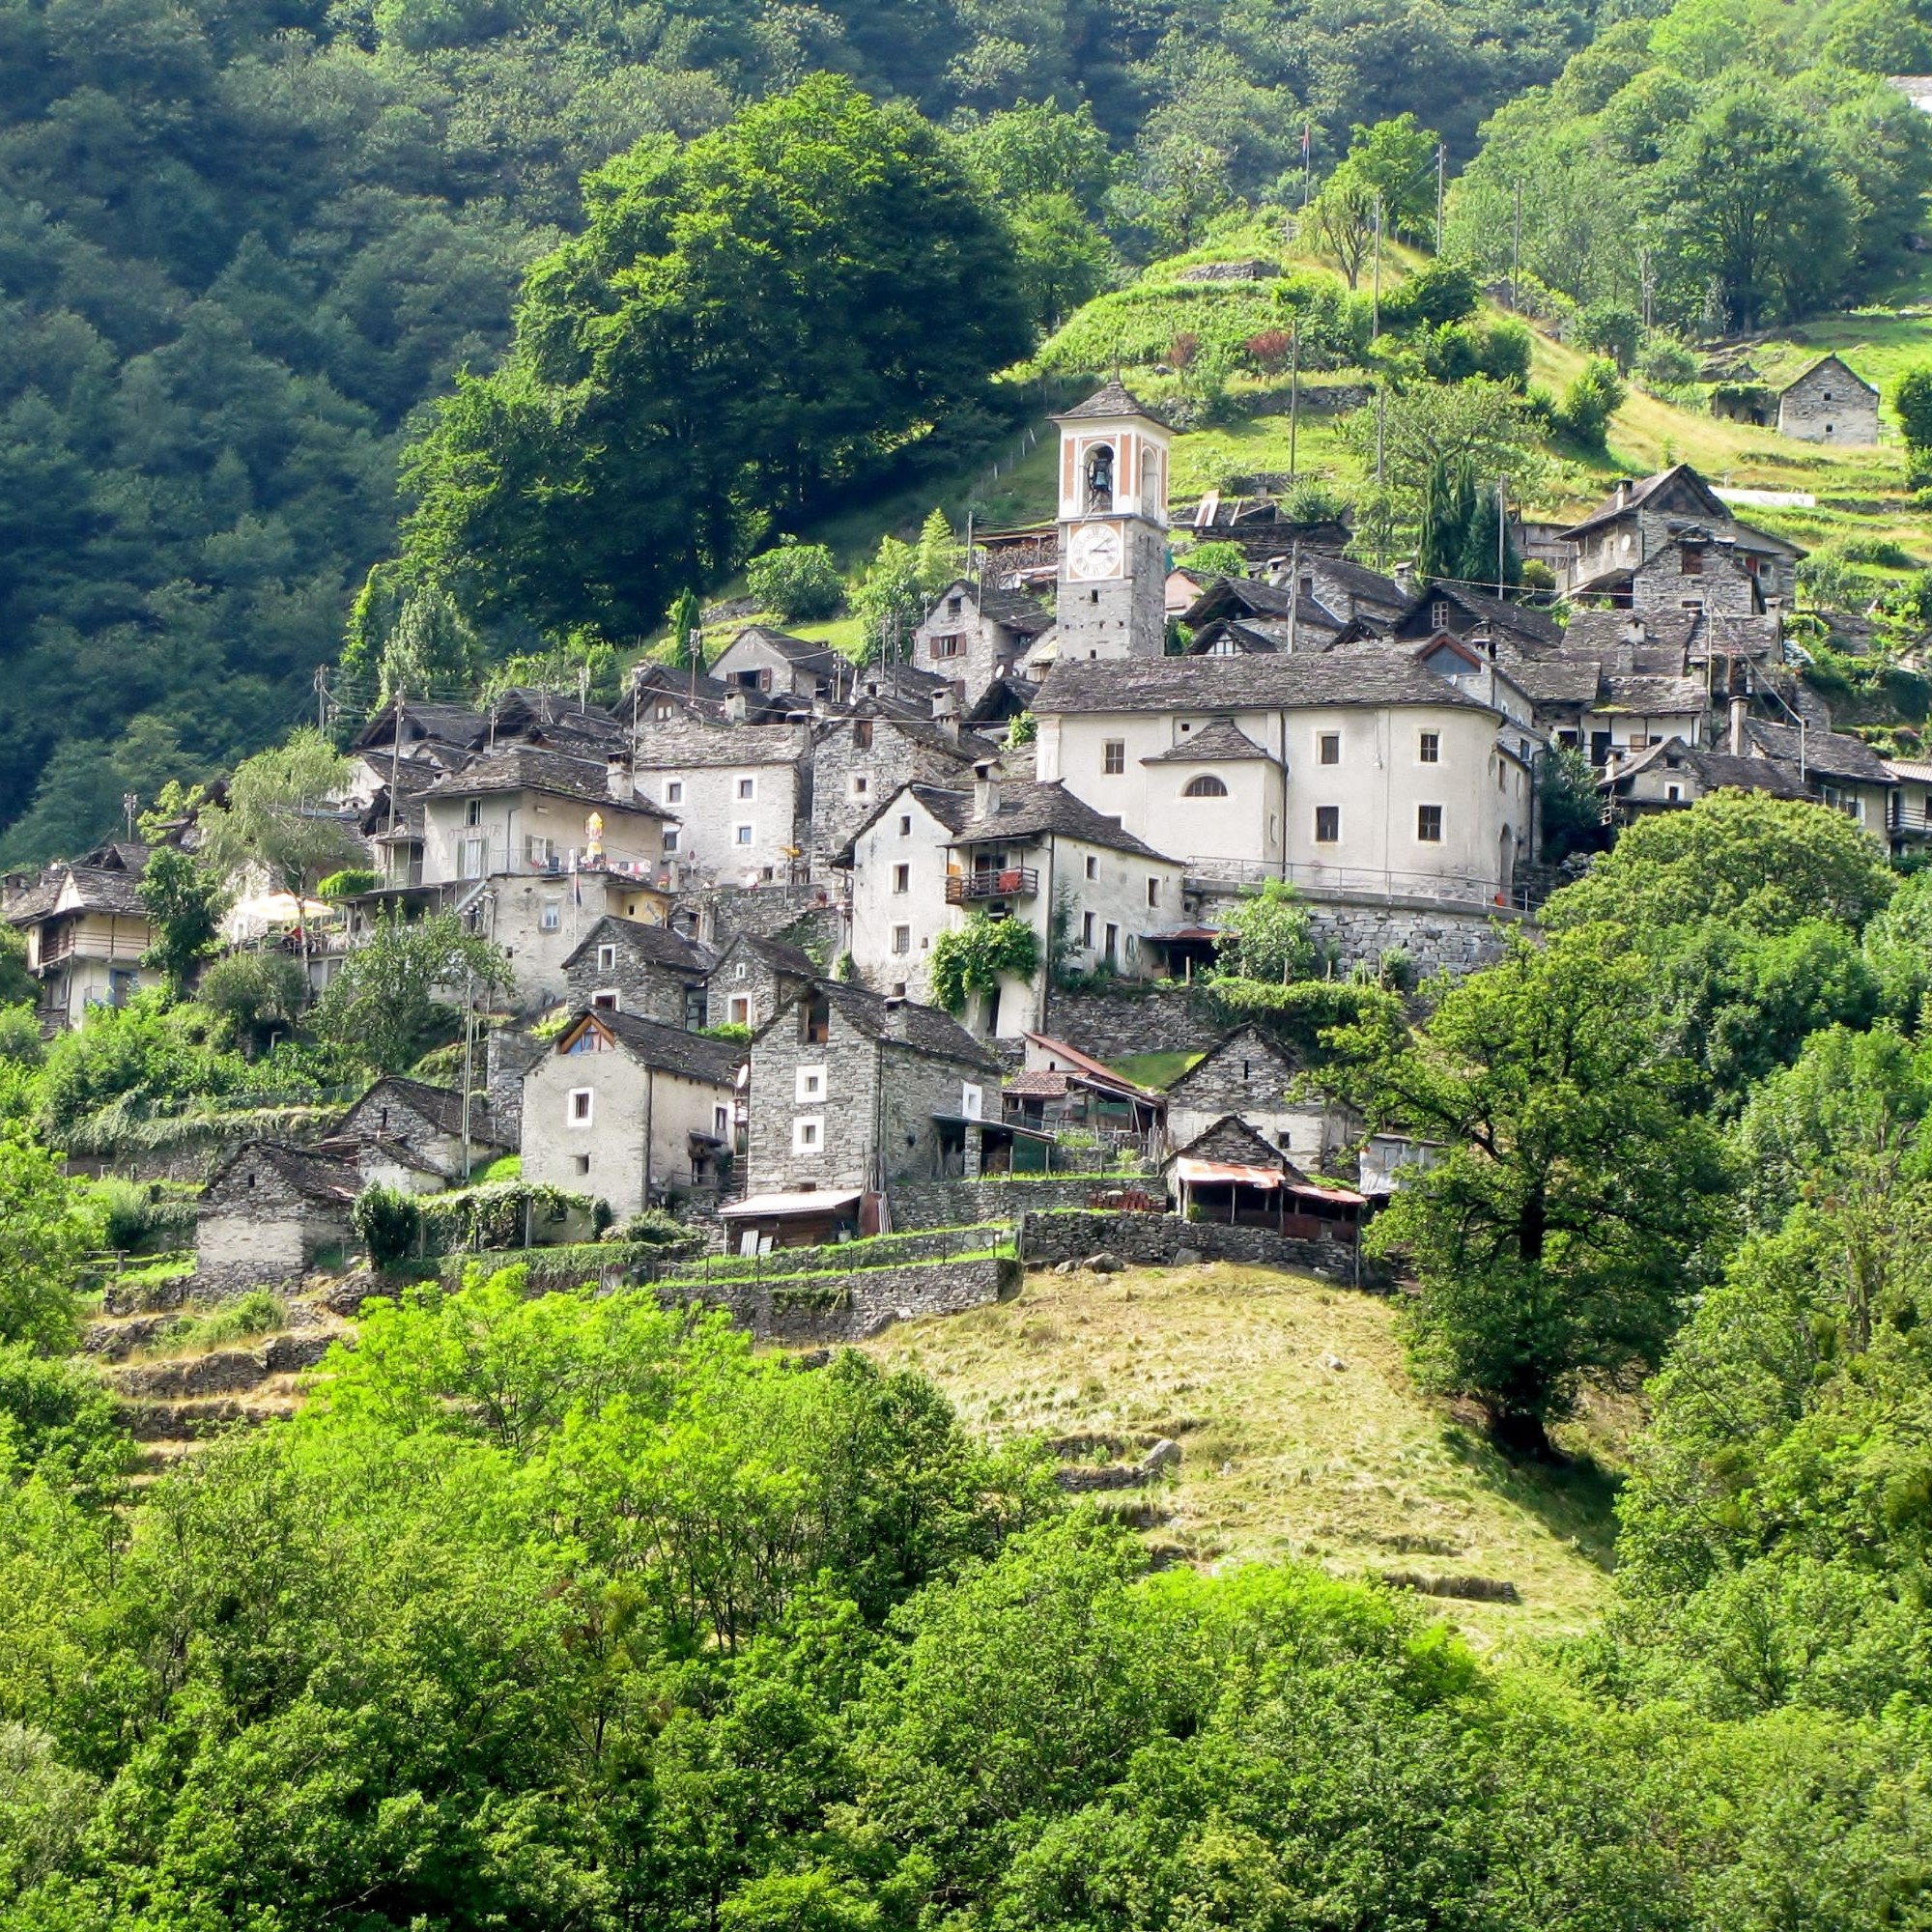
809,1083
1112,943
814,1020
901,939
1694,561
606,958
1114,757
740,1009
901,878
861,786
1086,930
807,1133
905,825
748,788
970,1098
670,839
721,1122
1328,750
1154,892
471,858
1092,866
582,1162
1674,794
472,811
605,1002
948,647
1327,824
674,791
578,1113
1429,749
741,835
862,735
552,918
1428,824
538,852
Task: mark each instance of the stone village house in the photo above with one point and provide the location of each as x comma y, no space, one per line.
1828,403
754,978
973,636
1246,1075
270,1214
408,1134
86,929
624,965
628,1110
847,1091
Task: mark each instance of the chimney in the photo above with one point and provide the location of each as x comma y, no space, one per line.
1739,707
736,705
1634,631
1404,574
945,710
1624,494
896,1015
617,778
986,789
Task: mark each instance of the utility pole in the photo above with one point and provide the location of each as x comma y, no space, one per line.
1441,188
1293,392
1503,533
322,698
468,1055
1376,314
128,800
1293,592
1516,244
1307,154
396,756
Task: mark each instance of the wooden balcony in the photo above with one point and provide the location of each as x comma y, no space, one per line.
1015,882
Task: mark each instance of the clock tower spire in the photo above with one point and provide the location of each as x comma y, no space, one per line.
1113,529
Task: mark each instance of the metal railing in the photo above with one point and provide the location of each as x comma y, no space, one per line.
1015,882
1459,889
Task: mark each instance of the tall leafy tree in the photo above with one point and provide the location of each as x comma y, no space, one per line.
1560,1234
746,322
185,901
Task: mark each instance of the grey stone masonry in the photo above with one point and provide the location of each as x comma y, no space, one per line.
1110,1025
1161,1240
957,1204
1828,404
1437,938
508,1053
804,1310
648,971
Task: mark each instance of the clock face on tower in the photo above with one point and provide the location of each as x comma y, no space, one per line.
1095,551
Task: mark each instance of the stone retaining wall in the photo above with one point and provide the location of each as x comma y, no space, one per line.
1111,1025
1159,1240
963,1204
820,1309
1438,939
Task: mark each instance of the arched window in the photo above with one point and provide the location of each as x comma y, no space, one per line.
1206,785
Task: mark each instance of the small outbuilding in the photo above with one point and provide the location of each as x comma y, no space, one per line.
270,1214
1229,1174
1830,403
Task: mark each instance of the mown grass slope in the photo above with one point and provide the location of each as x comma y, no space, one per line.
1285,1453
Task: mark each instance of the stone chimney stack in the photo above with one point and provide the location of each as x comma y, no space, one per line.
736,707
1624,494
986,789
895,1016
1739,706
618,781
945,710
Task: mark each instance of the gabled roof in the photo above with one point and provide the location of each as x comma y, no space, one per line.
1112,398
448,723
801,652
1364,674
951,809
1712,771
1833,362
1244,1042
667,1048
1498,612
70,888
1013,608
315,1176
526,768
900,1022
1830,754
653,945
1036,810
1622,502
1231,1139
1652,696
441,1106
780,954
1357,578
1216,743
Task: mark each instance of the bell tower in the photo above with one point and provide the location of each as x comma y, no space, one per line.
1113,530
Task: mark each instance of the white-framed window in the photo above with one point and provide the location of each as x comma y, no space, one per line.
1328,749
809,1083
740,1010
604,1000
1206,785
1114,757
741,969
1442,609
901,878
1428,824
1429,748
580,1106
539,851
1327,824
1673,794
674,791
748,788
807,1133
901,939
472,811
970,1098
472,856
742,835
859,785
670,839
551,919
606,958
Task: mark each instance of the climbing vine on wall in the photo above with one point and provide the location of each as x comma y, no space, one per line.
977,957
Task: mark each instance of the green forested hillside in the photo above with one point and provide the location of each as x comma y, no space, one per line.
240,240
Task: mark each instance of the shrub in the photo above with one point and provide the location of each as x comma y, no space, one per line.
1313,501
125,1208
1219,560
1609,328
259,1311
348,882
1438,292
1664,363
975,957
798,582
388,1221
254,992
654,1229
1590,402
1269,349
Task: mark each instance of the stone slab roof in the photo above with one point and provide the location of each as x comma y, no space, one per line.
526,768
1216,743
1829,753
654,945
1112,398
1033,811
1348,675
668,1048
905,1022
